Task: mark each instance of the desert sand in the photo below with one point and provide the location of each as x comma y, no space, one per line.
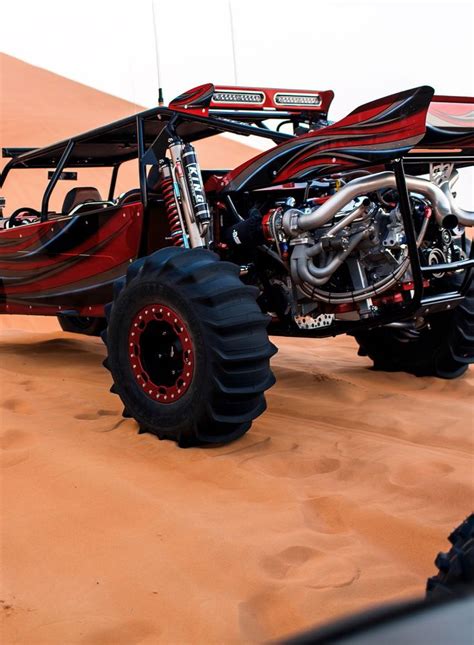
338,498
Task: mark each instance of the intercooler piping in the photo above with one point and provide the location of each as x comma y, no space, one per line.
295,222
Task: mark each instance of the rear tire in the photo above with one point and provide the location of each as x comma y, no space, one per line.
444,348
455,568
82,325
188,348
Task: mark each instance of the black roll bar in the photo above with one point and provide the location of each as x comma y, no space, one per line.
113,181
410,232
52,183
141,163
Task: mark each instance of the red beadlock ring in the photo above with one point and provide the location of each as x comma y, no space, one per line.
161,353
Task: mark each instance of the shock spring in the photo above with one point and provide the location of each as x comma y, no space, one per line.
171,205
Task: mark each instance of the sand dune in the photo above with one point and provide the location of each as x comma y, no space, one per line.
337,499
38,107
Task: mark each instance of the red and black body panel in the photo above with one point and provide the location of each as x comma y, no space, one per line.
450,121
68,264
449,135
196,100
374,133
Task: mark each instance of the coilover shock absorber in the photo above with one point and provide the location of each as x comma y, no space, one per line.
195,186
171,203
192,206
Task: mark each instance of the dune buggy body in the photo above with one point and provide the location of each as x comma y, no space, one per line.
68,261
334,224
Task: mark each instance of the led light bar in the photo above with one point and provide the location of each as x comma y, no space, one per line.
230,96
297,100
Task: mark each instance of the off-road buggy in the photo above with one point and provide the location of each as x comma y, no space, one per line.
331,230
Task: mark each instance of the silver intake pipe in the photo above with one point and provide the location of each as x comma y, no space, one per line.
357,213
296,222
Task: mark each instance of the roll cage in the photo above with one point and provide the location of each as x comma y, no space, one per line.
192,116
208,110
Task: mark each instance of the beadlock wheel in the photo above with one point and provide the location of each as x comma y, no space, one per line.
188,348
161,353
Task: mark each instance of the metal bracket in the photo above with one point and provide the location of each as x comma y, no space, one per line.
311,322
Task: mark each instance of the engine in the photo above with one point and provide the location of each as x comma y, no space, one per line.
346,253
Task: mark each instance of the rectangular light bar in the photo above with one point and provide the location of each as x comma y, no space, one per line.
230,96
296,99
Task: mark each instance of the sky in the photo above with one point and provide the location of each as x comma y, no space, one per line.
361,49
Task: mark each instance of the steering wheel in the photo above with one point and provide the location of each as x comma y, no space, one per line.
13,219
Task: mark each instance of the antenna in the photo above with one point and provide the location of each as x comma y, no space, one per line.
157,56
231,18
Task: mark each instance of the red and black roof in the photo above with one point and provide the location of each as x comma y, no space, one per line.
208,110
202,112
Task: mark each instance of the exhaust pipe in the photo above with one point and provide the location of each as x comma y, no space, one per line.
295,222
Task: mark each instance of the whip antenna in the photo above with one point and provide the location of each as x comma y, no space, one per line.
231,19
157,56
